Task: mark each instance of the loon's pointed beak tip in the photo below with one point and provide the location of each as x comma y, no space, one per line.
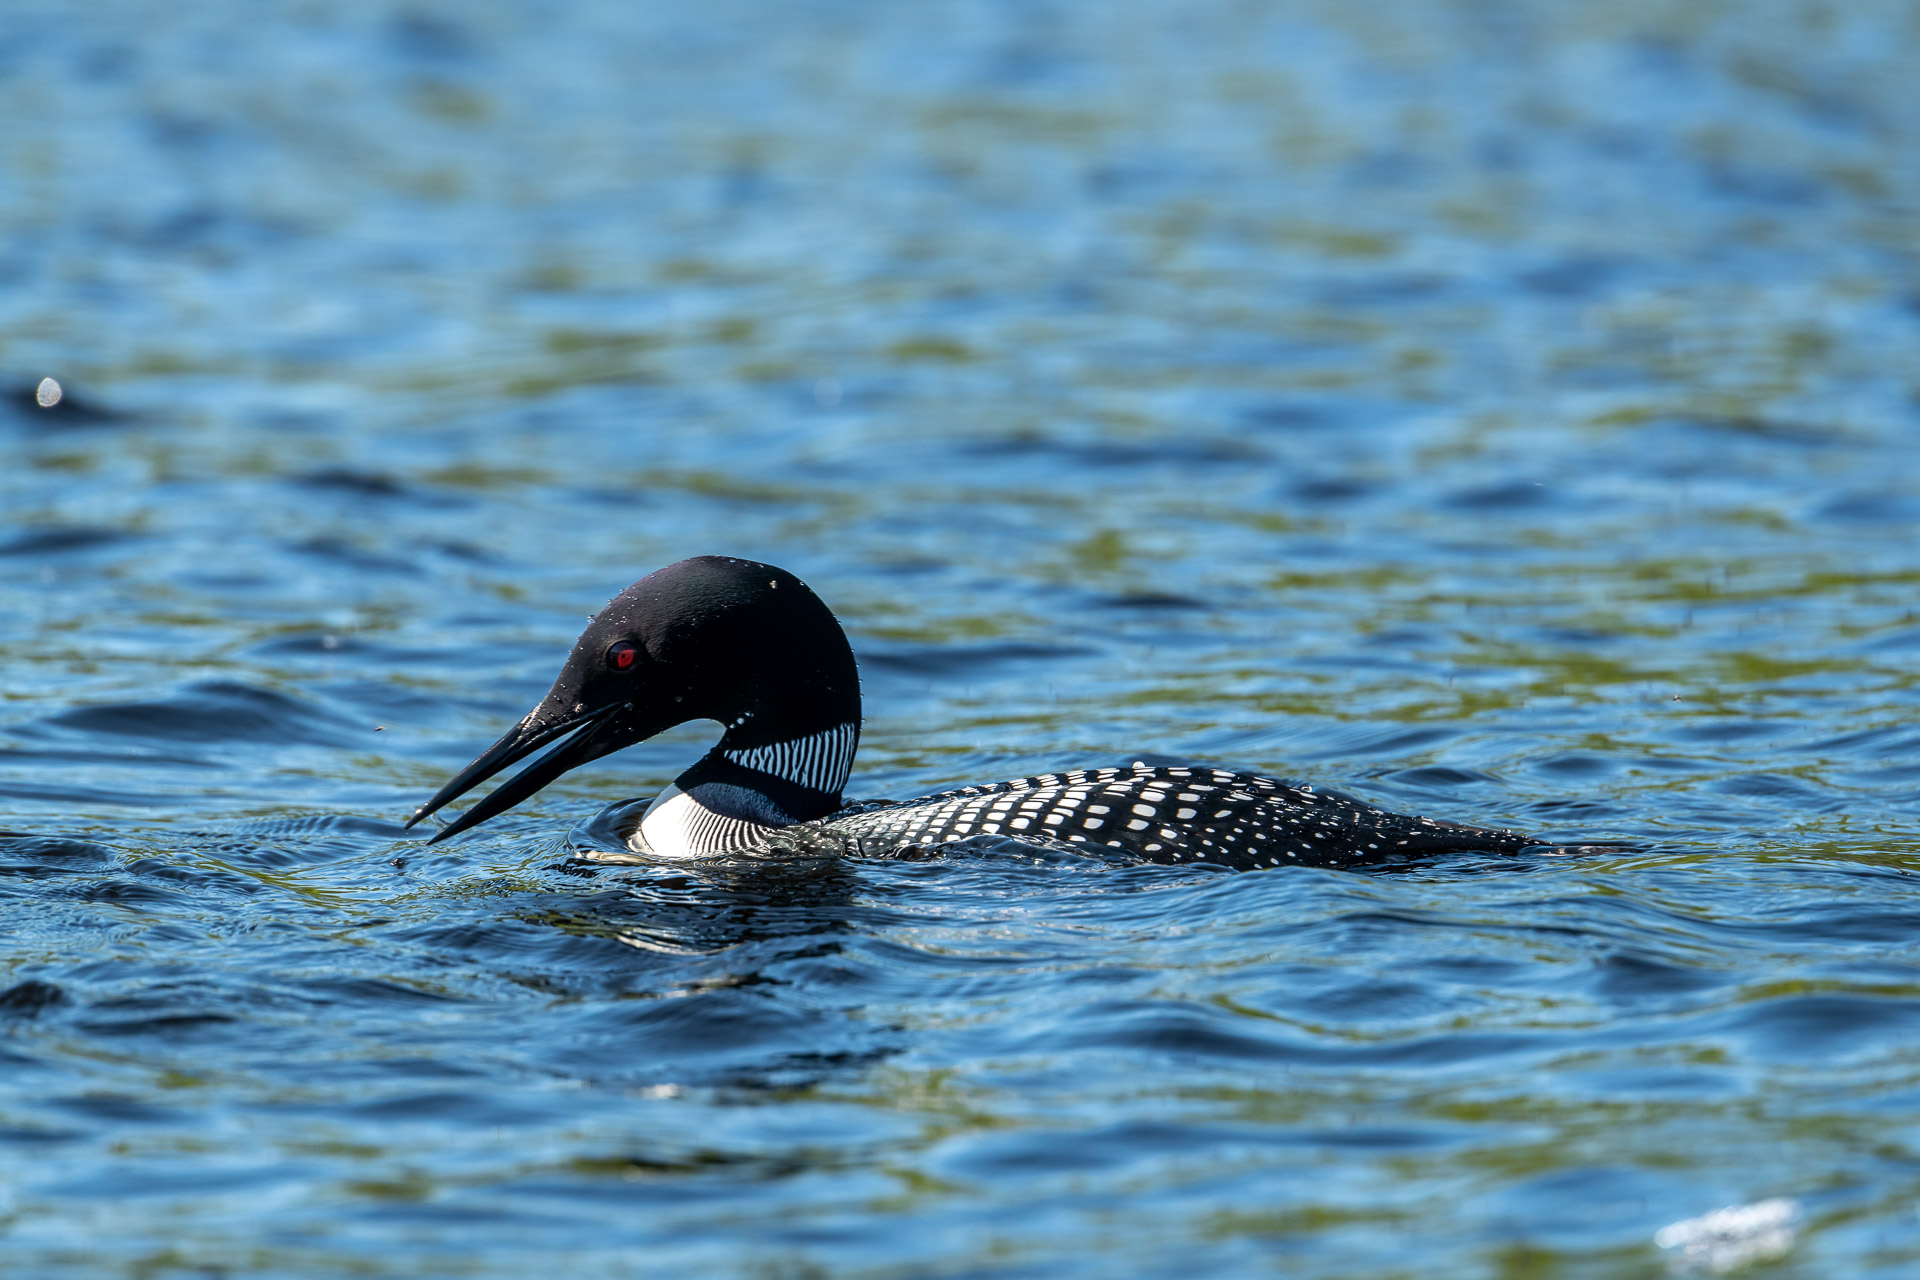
580,742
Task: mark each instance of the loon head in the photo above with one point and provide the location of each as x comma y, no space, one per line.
712,638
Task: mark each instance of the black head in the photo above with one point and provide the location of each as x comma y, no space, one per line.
710,638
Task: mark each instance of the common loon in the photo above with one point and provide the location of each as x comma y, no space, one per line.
748,645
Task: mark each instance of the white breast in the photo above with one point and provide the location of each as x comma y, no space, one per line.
676,825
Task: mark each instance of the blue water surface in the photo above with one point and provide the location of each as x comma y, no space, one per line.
1505,411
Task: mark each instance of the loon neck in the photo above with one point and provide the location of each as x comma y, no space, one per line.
805,771
737,794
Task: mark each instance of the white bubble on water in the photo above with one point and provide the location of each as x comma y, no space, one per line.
48,393
1730,1238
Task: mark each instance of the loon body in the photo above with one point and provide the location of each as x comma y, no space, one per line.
750,646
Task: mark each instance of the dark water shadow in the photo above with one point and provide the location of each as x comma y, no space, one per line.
69,411
211,711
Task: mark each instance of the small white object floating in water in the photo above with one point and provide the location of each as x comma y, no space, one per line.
1732,1237
48,393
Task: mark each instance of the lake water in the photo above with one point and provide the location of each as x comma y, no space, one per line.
1503,411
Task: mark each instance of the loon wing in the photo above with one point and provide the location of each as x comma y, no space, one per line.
1171,815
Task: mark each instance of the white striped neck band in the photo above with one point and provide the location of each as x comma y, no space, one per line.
820,761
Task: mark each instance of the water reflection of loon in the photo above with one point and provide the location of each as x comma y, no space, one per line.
750,646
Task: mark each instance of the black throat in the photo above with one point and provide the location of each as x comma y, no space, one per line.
725,786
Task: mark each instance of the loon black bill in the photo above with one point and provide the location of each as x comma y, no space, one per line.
518,743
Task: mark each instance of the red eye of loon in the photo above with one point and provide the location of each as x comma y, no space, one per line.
622,654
